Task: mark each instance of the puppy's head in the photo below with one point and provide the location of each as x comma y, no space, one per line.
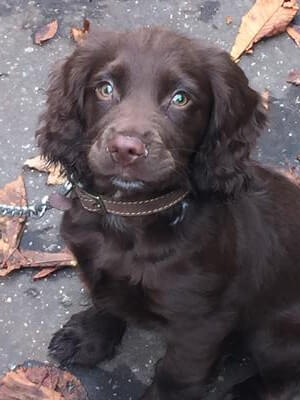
148,111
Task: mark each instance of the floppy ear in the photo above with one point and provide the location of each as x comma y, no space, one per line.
237,119
61,124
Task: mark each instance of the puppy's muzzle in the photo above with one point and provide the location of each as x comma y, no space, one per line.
125,150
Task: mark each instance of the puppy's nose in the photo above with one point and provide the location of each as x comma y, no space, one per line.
126,149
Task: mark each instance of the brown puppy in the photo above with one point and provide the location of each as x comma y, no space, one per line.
137,115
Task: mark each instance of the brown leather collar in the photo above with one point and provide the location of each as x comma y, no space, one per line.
103,205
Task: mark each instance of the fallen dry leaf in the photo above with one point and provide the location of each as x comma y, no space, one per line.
292,170
79,34
229,20
11,228
294,77
266,18
38,259
294,174
41,383
265,98
43,273
47,259
294,32
56,173
46,32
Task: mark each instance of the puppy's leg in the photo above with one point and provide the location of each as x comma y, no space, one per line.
193,347
87,338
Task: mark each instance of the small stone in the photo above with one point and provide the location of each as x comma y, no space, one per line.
84,302
32,292
65,300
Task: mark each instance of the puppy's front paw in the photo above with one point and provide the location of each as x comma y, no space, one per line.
86,339
64,345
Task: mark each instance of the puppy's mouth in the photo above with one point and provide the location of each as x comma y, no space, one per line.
143,175
125,184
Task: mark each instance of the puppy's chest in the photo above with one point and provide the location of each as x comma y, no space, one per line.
130,285
136,283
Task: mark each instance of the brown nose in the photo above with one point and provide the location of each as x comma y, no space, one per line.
125,149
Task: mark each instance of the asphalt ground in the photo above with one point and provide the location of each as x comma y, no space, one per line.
30,312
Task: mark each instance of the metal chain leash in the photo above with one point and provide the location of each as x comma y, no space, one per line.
36,210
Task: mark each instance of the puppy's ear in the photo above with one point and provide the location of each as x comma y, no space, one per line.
62,122
237,119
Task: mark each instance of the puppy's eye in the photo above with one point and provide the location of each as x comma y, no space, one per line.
180,99
105,91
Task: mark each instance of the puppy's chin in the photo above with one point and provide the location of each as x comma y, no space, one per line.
134,187
128,185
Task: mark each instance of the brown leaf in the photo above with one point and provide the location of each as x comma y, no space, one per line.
36,259
56,173
43,273
265,98
46,32
11,257
294,32
292,170
294,175
294,77
266,18
46,259
229,20
41,383
11,228
79,34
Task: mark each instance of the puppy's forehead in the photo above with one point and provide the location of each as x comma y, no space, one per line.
156,46
152,51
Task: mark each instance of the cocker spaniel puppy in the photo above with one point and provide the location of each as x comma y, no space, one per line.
173,224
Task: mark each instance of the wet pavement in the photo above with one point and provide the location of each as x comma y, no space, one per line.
30,312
